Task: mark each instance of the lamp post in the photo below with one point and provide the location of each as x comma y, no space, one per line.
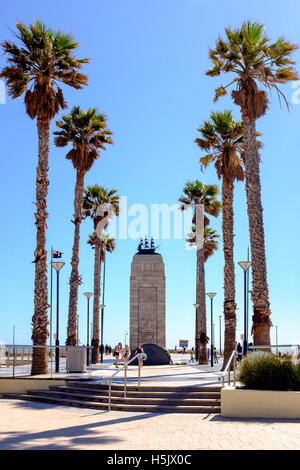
276,340
211,296
220,317
77,329
126,334
57,265
88,295
196,339
245,265
101,340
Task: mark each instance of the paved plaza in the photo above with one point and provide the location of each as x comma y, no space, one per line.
29,425
33,425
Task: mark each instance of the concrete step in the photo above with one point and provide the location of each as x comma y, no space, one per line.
128,400
139,393
154,388
114,406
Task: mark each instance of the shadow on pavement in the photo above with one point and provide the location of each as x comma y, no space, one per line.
73,436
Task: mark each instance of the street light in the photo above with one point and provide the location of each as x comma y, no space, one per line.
220,317
245,265
126,334
196,339
211,296
57,265
77,329
276,340
88,295
101,341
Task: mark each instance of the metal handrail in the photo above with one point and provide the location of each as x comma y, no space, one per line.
274,346
125,376
227,369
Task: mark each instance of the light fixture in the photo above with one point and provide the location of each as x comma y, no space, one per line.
88,294
211,295
245,265
57,265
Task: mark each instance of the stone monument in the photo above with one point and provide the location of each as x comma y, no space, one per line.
147,297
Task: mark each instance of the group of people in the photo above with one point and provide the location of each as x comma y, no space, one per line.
192,356
125,352
108,349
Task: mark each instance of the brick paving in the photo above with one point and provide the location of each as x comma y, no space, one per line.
33,425
29,425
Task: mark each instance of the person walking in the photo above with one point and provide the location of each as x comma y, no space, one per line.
215,356
169,355
191,356
116,353
125,354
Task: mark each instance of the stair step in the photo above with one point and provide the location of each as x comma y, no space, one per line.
140,393
114,406
127,400
159,388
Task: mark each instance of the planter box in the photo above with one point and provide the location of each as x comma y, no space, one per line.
242,403
76,359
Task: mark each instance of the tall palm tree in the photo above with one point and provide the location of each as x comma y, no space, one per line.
87,132
211,241
254,61
195,195
43,59
100,204
107,244
223,138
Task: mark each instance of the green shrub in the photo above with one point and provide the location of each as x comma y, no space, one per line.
264,371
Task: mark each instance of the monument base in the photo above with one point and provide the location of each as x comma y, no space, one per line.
156,356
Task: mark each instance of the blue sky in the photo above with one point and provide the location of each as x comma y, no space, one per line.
147,74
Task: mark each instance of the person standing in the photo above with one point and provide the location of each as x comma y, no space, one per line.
239,352
140,350
116,353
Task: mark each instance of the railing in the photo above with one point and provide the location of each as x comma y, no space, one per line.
137,356
227,370
293,349
19,357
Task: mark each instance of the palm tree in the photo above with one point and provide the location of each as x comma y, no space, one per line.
43,59
107,244
254,61
87,132
223,138
211,241
98,203
198,195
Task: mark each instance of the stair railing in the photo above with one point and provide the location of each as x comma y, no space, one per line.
137,356
232,362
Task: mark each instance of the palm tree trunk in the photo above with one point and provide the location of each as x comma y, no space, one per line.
229,276
96,305
260,291
75,279
40,317
201,350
